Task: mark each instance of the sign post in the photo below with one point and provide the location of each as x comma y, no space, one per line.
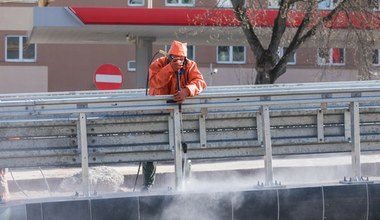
108,77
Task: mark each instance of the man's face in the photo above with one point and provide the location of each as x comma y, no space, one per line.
178,59
177,62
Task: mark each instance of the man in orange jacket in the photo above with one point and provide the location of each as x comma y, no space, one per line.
163,81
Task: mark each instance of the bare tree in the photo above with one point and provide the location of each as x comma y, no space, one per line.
269,65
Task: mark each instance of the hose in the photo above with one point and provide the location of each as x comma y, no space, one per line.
18,186
137,176
46,182
147,76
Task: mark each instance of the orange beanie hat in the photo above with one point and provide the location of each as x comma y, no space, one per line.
178,49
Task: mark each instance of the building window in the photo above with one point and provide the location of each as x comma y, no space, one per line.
375,58
19,50
327,4
331,56
179,2
276,4
136,2
273,3
23,1
292,60
131,65
375,5
224,3
230,54
190,51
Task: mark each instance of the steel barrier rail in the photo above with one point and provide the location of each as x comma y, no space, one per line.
244,91
218,89
138,94
101,127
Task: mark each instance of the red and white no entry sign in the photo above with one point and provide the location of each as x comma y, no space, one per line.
108,77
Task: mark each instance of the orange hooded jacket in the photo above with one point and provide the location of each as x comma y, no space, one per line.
162,78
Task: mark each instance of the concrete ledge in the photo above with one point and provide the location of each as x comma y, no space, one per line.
340,202
238,178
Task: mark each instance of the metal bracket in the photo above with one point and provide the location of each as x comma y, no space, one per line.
202,128
326,96
265,98
320,128
356,180
275,185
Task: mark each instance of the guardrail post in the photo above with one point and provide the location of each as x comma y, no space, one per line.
176,114
264,134
264,110
355,134
83,147
355,147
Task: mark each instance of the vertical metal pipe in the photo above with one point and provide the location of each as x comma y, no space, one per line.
355,135
82,141
268,166
177,147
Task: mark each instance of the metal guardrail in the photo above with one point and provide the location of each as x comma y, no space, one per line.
102,127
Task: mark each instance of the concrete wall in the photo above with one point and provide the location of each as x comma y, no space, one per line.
246,76
16,18
16,79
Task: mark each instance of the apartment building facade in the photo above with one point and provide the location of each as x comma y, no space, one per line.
29,67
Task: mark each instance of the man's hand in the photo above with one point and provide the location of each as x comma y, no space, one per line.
180,96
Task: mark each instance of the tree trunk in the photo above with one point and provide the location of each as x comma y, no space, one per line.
264,67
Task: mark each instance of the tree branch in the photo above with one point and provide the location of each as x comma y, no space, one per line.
241,14
279,27
282,63
298,40
321,22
